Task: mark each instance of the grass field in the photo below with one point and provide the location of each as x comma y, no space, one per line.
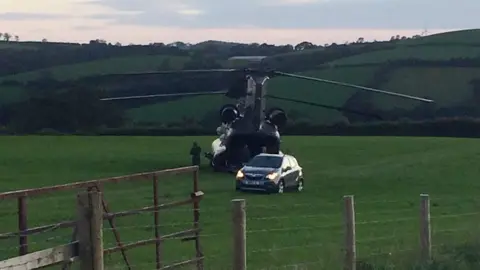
411,80
402,52
105,66
386,175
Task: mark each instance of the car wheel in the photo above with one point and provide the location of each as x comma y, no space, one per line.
281,186
300,185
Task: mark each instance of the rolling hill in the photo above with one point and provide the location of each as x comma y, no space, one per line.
385,67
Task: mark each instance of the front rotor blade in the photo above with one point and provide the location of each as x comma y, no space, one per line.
326,106
166,95
353,86
180,71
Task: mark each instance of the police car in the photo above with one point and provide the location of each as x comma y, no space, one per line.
273,173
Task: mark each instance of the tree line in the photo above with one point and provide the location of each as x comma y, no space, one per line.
40,55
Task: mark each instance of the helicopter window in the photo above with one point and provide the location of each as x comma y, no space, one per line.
265,162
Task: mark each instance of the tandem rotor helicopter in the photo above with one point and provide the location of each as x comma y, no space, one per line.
246,126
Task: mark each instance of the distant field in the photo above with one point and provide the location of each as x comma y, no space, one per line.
9,94
104,66
386,175
402,52
470,36
447,86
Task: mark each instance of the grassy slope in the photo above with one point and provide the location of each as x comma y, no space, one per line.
416,81
106,66
385,174
447,86
306,90
403,52
471,36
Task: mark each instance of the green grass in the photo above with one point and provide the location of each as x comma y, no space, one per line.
386,175
469,36
104,66
452,86
10,94
433,53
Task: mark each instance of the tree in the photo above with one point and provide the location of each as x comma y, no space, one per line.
7,36
98,41
70,110
1,35
360,40
17,38
305,45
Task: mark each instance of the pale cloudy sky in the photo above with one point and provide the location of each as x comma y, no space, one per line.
272,21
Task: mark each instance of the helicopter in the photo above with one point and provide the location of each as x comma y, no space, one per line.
246,127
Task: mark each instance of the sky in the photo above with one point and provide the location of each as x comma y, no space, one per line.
271,21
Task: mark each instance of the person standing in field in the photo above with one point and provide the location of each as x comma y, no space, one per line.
195,153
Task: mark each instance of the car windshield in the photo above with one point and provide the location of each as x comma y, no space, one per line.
265,162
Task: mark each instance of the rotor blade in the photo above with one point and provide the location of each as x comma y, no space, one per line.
326,106
166,95
166,72
352,86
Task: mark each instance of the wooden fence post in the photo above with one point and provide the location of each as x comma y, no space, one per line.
239,235
350,246
90,230
425,232
156,220
22,225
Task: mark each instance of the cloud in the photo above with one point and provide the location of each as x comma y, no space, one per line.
272,21
305,14
21,16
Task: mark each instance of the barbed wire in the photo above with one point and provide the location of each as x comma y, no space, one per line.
336,202
40,244
302,219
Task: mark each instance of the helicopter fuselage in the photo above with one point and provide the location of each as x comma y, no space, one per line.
247,129
232,151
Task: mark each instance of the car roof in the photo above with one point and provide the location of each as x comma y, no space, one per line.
274,155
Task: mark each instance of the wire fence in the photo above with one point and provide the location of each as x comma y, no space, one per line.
52,217
311,235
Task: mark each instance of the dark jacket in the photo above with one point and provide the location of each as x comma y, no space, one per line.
195,153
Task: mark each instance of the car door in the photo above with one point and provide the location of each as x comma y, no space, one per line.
294,172
287,171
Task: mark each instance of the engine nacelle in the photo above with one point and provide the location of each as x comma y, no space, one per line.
277,117
228,113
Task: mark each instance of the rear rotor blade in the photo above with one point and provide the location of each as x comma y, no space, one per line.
325,106
353,86
167,72
166,95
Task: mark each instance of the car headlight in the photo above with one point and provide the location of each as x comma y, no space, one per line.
240,175
272,176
